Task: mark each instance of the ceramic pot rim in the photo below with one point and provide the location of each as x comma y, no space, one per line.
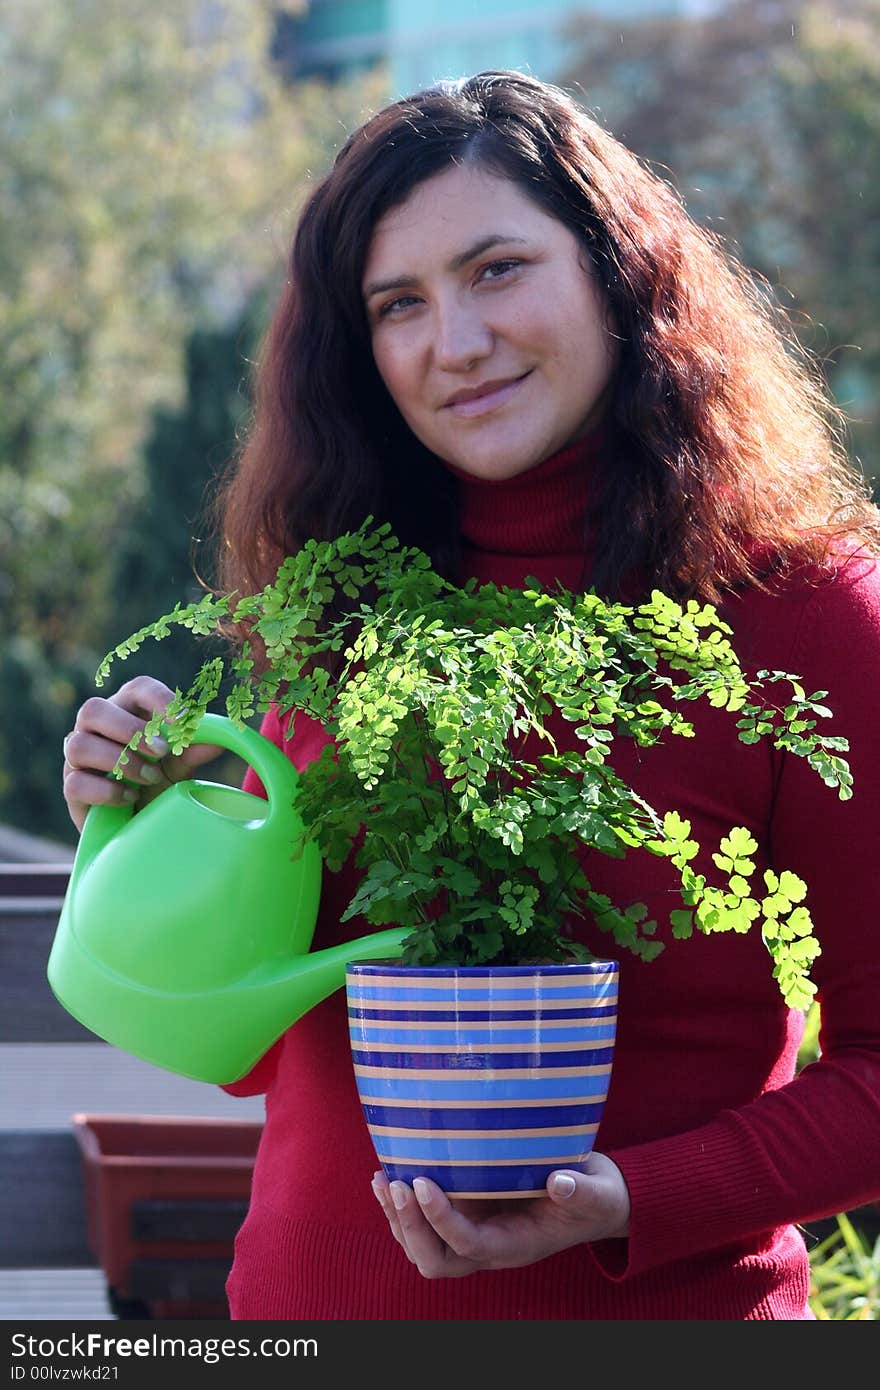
505,971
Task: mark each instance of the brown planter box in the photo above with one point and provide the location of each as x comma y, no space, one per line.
164,1198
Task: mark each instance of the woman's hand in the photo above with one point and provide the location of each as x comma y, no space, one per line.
101,730
447,1240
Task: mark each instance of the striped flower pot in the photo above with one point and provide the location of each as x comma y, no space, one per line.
485,1078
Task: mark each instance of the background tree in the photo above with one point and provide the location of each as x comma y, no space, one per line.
765,114
166,544
151,166
152,163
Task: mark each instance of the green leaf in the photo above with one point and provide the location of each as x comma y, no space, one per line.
439,694
792,887
682,924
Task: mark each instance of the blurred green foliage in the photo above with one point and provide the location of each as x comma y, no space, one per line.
809,1046
845,1273
765,115
152,162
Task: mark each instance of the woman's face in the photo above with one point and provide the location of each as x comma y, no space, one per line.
488,324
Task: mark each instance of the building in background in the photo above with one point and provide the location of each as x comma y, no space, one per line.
422,41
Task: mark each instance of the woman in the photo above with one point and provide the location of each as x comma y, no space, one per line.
504,335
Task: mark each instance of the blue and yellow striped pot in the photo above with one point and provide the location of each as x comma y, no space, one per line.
484,1078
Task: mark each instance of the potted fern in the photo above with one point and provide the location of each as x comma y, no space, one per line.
440,701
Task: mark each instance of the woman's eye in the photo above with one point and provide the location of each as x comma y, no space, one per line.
396,304
499,268
496,270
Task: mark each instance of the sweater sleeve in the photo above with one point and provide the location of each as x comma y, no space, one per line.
811,1148
258,1080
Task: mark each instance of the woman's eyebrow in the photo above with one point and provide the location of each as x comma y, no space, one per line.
461,259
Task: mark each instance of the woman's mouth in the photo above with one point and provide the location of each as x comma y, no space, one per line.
481,405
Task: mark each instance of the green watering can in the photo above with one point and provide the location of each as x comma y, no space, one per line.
185,931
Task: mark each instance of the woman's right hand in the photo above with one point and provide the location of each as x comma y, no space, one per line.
102,729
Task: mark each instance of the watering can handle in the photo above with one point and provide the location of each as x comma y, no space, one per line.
275,771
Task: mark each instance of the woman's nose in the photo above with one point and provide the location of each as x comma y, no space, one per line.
461,336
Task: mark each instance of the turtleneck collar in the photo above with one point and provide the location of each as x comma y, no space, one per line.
540,512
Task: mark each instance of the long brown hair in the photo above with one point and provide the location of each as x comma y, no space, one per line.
727,447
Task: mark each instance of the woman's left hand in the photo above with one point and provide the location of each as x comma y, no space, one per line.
447,1240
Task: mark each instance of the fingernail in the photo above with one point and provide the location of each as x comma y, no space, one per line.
150,773
377,1192
130,795
562,1184
158,745
398,1195
422,1191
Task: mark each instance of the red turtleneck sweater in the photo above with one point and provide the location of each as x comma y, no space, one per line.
722,1146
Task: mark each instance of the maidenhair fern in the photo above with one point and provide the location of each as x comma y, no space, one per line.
430,691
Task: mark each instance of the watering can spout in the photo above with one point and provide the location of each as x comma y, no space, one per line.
185,934
313,977
266,1004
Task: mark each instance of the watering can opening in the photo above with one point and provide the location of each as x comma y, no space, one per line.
224,801
185,934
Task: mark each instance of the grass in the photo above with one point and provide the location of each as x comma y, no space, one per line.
845,1275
